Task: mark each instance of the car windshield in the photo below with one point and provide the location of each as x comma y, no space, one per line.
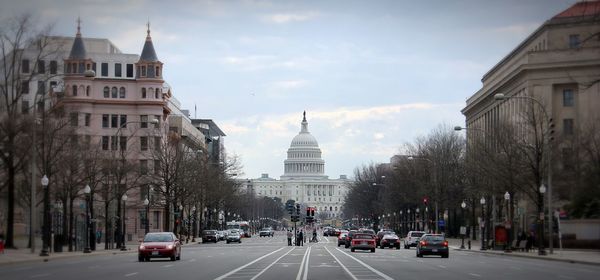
390,236
266,229
210,232
416,234
434,238
158,238
363,236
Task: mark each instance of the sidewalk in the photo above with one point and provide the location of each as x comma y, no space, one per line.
566,255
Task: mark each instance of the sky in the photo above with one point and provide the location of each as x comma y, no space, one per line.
371,75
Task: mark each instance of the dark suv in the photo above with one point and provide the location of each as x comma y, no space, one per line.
209,235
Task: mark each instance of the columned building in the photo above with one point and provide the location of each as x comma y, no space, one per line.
304,179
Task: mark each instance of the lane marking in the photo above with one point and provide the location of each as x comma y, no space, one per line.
307,262
40,275
341,264
270,265
131,274
474,274
298,276
367,266
246,265
441,266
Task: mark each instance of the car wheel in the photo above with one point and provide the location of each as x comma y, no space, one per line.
240,241
373,250
140,258
351,249
227,241
406,247
398,247
173,258
338,244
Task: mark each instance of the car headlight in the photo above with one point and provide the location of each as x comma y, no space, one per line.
170,246
142,247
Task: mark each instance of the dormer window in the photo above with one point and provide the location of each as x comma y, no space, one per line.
156,93
143,72
144,93
157,71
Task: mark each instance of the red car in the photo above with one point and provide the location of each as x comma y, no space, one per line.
363,241
159,245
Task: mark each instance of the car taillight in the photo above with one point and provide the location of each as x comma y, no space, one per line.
423,243
445,243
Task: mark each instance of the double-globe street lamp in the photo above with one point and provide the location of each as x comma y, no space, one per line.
124,199
46,223
508,223
463,205
87,191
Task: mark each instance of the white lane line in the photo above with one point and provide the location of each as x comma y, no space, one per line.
246,265
474,274
270,265
307,262
168,265
40,275
131,274
367,266
566,277
441,266
299,275
341,264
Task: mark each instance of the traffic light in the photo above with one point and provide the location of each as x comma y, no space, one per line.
425,200
308,211
312,212
290,209
298,209
551,129
309,219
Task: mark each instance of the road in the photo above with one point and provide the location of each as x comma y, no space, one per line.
270,258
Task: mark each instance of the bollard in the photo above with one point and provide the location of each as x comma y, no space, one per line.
469,244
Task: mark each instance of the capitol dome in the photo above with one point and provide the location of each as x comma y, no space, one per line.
304,156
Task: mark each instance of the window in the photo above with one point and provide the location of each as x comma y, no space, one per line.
144,167
88,89
25,65
143,143
113,92
157,143
94,66
41,87
156,166
41,66
143,72
88,118
73,119
568,126
113,143
123,142
104,69
574,41
142,214
123,121
53,67
25,106
122,92
24,87
156,219
156,93
143,92
568,98
118,70
105,120
105,143
114,120
157,71
106,92
144,121
129,70
157,125
74,90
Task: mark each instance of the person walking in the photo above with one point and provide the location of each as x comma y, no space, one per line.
289,237
314,238
301,237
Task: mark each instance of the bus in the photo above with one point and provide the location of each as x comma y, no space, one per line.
241,225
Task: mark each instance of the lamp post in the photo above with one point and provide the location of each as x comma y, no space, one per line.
463,205
418,218
147,220
194,224
410,225
482,202
541,249
508,224
124,199
401,223
87,190
46,226
190,216
548,134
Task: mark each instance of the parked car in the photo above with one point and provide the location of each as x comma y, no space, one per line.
159,245
381,233
349,238
433,244
389,240
220,235
363,241
412,238
209,235
234,236
266,232
342,239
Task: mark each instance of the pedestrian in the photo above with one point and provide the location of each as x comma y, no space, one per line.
314,239
529,242
98,236
301,237
289,237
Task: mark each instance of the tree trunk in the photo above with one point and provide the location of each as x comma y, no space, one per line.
106,224
71,221
10,230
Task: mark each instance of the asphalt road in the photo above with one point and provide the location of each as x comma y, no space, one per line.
270,258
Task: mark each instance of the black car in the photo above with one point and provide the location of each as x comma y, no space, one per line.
389,240
432,244
349,238
209,235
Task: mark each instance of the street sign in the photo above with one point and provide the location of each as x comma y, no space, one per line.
441,223
463,230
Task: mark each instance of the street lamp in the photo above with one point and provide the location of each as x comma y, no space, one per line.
541,249
87,190
124,199
508,223
482,202
46,229
147,222
463,205
548,134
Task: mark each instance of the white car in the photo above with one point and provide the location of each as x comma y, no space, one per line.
412,239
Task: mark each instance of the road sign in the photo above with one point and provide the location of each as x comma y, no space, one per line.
463,230
441,223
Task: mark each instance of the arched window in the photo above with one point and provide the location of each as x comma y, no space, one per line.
74,90
122,92
143,92
150,91
114,92
156,93
106,92
88,89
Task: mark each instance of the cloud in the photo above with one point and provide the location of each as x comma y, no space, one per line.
289,84
289,17
378,136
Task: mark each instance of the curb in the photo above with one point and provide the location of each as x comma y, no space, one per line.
528,256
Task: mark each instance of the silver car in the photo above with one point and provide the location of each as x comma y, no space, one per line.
234,236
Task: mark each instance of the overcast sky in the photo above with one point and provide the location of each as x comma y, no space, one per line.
372,75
